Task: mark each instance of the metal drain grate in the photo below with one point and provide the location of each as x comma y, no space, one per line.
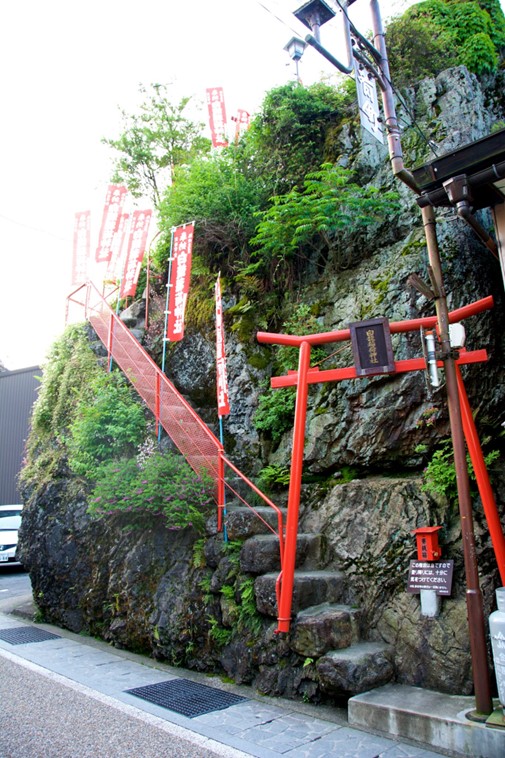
186,697
23,635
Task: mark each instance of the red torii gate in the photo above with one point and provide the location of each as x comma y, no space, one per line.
306,376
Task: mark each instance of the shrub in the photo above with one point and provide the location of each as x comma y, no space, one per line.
107,426
159,485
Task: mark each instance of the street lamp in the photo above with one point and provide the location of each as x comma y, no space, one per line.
296,48
314,14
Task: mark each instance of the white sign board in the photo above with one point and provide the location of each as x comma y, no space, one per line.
367,101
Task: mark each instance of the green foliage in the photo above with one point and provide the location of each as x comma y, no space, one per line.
316,220
199,560
222,198
217,633
275,412
248,617
440,473
288,137
64,385
436,34
107,426
159,485
276,408
479,54
224,192
155,141
69,361
274,477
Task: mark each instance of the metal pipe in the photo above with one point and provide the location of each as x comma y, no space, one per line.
476,624
464,211
295,483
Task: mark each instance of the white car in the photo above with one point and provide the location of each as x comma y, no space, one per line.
10,521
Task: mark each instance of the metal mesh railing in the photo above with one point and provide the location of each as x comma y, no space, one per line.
187,430
189,433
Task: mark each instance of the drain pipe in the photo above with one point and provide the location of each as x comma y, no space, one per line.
459,193
476,622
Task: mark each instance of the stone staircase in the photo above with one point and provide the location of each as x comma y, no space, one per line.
326,630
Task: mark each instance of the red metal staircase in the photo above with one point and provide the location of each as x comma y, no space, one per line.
200,447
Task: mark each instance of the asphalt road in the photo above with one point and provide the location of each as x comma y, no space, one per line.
14,581
43,714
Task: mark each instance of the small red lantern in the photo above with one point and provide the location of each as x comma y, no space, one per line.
428,548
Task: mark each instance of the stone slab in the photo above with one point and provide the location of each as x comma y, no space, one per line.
427,717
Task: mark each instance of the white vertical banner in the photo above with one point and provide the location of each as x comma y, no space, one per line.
82,247
217,116
223,403
367,101
114,265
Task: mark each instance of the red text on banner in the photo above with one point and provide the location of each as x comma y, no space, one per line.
135,253
112,210
223,404
217,116
179,281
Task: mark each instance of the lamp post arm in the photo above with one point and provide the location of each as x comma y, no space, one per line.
312,41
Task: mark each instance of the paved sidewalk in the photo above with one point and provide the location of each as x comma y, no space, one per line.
253,725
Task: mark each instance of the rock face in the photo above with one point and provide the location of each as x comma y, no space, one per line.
211,606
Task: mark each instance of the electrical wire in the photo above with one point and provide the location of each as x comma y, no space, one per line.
414,123
33,228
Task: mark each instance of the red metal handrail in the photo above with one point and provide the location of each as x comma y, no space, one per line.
201,448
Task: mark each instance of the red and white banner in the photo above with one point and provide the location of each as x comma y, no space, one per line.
242,121
135,253
217,116
114,201
115,264
223,403
182,248
82,247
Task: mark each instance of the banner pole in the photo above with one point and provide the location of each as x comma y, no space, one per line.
221,439
167,302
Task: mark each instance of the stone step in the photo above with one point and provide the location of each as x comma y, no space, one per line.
324,627
260,554
243,522
309,588
358,668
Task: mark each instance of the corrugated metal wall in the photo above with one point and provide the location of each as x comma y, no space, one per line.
18,392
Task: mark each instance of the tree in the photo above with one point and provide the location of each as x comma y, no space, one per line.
289,137
222,199
435,34
316,222
155,141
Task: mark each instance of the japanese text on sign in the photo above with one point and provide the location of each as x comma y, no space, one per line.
217,116
367,101
223,406
371,347
113,208
424,575
179,281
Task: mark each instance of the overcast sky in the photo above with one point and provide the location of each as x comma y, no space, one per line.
66,69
